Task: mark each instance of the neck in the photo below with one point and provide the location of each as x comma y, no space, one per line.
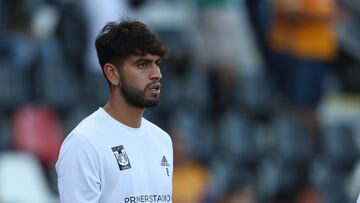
121,111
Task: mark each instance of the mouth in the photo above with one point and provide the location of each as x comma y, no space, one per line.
155,88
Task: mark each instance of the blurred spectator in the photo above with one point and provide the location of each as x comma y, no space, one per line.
303,42
16,43
259,16
227,35
72,20
98,13
223,84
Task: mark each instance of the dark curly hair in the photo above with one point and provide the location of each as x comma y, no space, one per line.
120,39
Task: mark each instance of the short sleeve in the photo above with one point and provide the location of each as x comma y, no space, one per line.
78,171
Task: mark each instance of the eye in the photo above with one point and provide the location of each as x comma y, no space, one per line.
157,63
142,65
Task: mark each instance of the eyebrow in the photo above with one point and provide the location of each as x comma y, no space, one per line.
146,60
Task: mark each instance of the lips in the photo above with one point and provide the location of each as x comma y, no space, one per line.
155,87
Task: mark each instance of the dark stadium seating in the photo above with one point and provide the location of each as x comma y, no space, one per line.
340,145
15,87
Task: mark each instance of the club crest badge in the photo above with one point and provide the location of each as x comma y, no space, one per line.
121,157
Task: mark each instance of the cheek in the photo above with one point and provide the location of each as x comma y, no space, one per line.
136,83
136,78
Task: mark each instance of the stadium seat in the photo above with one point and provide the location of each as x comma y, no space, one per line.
15,86
185,83
76,114
3,14
56,81
339,145
292,142
22,180
256,95
95,88
37,130
334,189
238,138
196,129
4,133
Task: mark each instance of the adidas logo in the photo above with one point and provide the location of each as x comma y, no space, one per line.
164,162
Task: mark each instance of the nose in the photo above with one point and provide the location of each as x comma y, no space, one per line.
155,73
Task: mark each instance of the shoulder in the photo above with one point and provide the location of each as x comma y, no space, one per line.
77,145
76,139
156,130
80,139
76,150
88,125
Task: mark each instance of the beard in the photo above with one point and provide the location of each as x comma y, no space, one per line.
135,97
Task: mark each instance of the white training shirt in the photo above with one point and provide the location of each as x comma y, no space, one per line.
104,161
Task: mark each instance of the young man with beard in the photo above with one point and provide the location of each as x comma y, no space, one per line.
116,155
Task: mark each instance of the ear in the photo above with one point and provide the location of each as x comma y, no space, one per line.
112,74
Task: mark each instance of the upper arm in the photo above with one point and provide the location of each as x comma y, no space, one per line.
78,171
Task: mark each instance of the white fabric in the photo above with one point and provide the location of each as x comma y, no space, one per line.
89,172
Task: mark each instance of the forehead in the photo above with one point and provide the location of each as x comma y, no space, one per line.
150,57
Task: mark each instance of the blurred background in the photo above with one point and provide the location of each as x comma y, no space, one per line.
261,97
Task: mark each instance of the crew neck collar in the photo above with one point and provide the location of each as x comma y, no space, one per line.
117,123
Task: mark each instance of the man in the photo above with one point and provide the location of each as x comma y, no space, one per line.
303,44
116,155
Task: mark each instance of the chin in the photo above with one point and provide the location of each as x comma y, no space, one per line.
151,103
